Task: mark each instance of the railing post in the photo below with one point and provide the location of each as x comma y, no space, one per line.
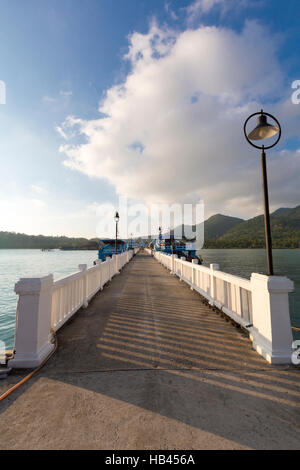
115,264
83,268
213,267
271,332
98,263
109,261
172,264
238,299
194,261
33,322
183,258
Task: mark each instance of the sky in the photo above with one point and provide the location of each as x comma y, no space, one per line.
143,100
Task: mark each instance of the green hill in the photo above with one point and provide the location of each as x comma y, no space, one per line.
217,225
21,240
214,227
285,228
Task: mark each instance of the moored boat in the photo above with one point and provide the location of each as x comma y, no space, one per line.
111,247
168,245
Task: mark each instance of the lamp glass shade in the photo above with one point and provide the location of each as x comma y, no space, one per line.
263,130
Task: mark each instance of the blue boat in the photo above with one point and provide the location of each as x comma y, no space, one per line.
111,247
131,245
168,245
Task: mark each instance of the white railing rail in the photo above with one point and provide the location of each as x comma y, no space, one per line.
45,305
260,304
67,298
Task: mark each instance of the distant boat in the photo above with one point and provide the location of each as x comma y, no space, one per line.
110,247
167,244
47,249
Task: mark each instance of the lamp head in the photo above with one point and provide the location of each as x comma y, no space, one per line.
117,217
263,130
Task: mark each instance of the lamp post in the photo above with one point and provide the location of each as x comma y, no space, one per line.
117,218
262,131
159,237
171,239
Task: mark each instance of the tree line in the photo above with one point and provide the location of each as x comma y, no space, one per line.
13,240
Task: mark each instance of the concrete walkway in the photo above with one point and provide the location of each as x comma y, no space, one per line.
149,366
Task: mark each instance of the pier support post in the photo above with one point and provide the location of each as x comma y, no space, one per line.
83,268
33,323
271,332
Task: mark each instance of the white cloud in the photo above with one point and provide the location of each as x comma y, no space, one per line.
48,99
62,99
170,11
202,6
65,129
172,131
20,214
40,204
61,132
39,188
66,94
34,216
197,9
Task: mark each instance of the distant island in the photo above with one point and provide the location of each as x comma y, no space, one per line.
220,231
9,240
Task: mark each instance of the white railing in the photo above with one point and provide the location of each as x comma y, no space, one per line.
67,298
45,305
259,304
229,293
75,291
